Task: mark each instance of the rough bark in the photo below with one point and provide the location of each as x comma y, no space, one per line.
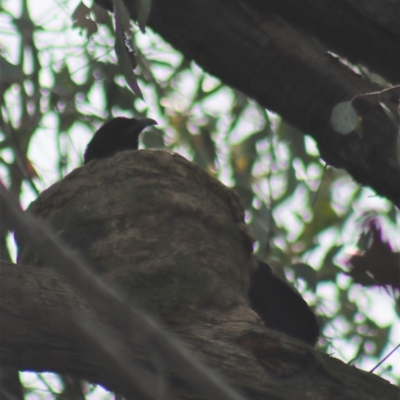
121,211
173,240
277,53
263,365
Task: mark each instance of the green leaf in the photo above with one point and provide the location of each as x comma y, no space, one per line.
124,47
82,20
143,12
10,73
304,271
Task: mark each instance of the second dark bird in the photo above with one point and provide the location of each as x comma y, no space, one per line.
280,307
116,135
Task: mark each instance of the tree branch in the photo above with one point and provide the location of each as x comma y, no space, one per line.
173,240
276,52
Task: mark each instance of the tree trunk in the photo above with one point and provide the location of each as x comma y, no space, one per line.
173,240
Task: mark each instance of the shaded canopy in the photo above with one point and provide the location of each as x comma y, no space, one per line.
283,54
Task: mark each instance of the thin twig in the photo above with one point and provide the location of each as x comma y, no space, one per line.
319,186
375,93
385,358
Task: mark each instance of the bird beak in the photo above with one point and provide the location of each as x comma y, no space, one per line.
143,123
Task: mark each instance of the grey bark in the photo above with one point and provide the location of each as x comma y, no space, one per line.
173,240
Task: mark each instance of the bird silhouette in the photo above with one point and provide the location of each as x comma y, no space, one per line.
280,307
116,135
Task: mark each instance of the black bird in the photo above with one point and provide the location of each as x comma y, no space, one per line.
280,307
116,135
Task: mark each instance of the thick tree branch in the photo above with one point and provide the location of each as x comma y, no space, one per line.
277,53
109,303
173,240
37,305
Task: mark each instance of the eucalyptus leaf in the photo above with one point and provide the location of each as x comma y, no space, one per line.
143,12
124,47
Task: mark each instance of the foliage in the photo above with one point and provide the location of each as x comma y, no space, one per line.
60,81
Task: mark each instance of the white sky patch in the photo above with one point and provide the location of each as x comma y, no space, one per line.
219,102
42,151
327,293
250,122
323,241
311,146
369,200
96,97
79,136
32,381
287,214
375,303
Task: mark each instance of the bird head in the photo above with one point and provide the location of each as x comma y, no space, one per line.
116,135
